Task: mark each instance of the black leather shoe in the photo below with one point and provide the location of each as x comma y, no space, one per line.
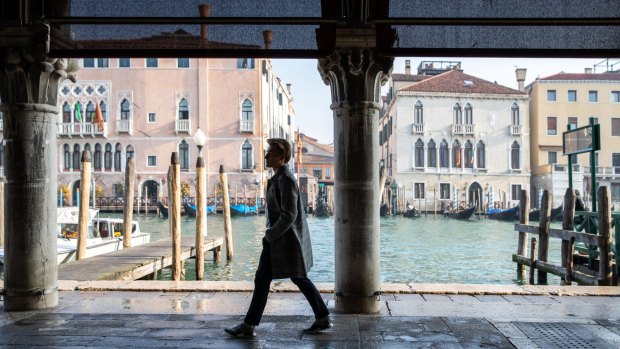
242,330
319,325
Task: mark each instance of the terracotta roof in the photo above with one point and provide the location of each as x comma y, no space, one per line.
455,81
410,77
314,142
583,76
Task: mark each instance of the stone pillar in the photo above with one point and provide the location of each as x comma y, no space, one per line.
29,89
355,76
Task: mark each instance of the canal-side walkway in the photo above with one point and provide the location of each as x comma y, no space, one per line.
190,314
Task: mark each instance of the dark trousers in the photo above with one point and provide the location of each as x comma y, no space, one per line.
262,282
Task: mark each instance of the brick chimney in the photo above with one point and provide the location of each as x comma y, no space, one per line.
267,38
521,78
288,88
588,70
407,67
205,11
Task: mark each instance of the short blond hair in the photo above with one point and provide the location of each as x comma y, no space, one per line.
283,146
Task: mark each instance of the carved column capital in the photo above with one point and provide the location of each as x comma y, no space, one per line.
355,74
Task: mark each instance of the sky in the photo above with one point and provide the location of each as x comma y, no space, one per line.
312,97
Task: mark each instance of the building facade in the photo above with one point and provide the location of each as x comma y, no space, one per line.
451,138
565,100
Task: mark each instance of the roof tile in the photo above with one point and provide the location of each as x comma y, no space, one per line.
455,81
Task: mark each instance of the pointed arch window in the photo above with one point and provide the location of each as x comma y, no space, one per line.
184,155
469,115
125,110
117,157
102,106
183,109
97,157
432,153
90,112
66,113
468,154
129,151
247,116
515,161
514,114
418,115
444,154
67,157
419,153
457,114
107,159
76,157
456,154
480,155
78,115
247,156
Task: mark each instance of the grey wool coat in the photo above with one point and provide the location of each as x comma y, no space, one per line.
288,234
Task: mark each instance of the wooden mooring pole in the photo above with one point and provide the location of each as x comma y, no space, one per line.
567,248
434,203
543,235
604,227
532,261
2,214
201,216
85,183
130,172
174,215
524,218
226,203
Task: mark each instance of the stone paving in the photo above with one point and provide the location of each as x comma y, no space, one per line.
143,315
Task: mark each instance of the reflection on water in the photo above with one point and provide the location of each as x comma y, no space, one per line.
423,250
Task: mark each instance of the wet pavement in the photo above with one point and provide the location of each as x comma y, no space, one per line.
194,314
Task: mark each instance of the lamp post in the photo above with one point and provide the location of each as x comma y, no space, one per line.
201,214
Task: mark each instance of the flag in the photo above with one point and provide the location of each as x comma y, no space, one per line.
78,112
98,117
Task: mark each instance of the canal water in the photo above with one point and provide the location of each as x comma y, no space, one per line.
422,250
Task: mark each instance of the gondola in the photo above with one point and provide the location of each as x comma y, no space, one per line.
411,213
510,214
163,210
243,209
535,214
463,214
189,209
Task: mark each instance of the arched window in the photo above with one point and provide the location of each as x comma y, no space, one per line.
67,157
456,154
469,114
125,110
457,114
90,112
514,114
468,154
444,154
129,151
480,155
97,157
66,113
432,153
514,156
247,156
117,157
183,109
102,106
418,114
76,157
107,159
184,155
247,110
419,153
87,147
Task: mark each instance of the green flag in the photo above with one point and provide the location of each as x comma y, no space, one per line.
78,112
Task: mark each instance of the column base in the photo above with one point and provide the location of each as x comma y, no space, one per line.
30,302
357,305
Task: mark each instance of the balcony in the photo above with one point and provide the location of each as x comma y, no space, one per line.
73,129
183,126
246,126
463,129
417,129
516,130
604,172
124,126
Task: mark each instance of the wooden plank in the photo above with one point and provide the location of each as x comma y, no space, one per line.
579,237
526,228
579,277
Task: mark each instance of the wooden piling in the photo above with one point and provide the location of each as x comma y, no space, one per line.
85,184
226,203
201,217
604,228
567,224
2,213
146,200
174,215
524,218
532,261
130,172
543,235
434,203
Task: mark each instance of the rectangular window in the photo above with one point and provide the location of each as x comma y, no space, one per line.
615,127
328,174
551,97
552,125
615,159
574,159
572,95
418,189
515,190
595,120
317,172
593,96
572,122
124,63
245,63
102,63
552,157
615,96
182,62
444,191
89,63
152,117
615,191
151,62
151,161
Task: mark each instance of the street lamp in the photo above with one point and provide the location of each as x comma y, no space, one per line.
200,139
201,202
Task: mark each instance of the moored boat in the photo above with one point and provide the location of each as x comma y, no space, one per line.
463,214
411,213
243,209
190,210
510,214
535,214
163,209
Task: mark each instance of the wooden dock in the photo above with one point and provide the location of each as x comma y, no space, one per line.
134,263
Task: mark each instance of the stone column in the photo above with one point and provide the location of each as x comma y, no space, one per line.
355,76
29,89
